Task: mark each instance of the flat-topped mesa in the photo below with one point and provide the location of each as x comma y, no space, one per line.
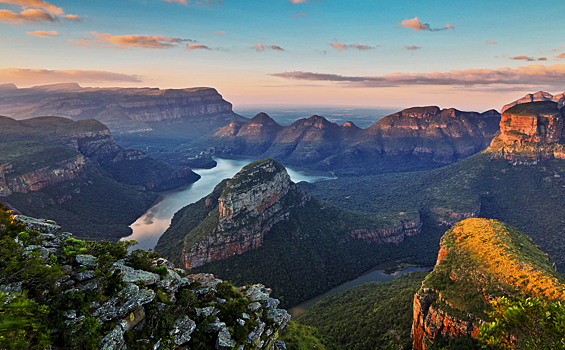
250,204
182,112
254,189
479,260
539,96
530,132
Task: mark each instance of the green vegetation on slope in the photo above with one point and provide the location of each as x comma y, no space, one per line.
376,315
533,109
307,255
301,337
531,198
484,259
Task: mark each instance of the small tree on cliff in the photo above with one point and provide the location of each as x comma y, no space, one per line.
525,324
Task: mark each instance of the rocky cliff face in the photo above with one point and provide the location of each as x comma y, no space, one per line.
479,260
250,204
124,110
393,234
105,298
418,135
40,178
539,96
530,132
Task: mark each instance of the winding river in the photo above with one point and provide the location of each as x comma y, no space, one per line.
150,226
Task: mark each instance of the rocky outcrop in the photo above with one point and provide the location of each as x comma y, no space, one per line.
424,134
537,97
531,132
250,204
125,110
479,260
395,234
12,182
158,306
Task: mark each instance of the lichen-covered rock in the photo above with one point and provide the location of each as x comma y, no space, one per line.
131,275
87,260
183,328
128,300
113,340
39,225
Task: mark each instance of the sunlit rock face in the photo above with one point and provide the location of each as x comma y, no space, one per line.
479,260
248,207
531,132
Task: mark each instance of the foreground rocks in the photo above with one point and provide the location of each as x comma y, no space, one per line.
159,307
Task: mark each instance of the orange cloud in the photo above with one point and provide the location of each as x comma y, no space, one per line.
299,14
126,41
221,32
492,42
527,58
197,47
44,34
260,47
178,1
417,25
342,47
560,56
45,76
38,4
72,18
532,75
412,47
27,16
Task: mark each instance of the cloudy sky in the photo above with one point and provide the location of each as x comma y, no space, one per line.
450,53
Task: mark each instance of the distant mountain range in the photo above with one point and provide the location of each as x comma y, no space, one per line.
180,113
413,139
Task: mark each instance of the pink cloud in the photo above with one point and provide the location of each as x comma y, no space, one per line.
221,32
197,47
126,41
45,34
412,47
27,16
260,47
527,58
45,76
72,18
343,47
532,75
492,42
178,1
38,4
560,56
299,14
418,25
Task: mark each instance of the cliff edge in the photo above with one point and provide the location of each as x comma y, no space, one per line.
479,260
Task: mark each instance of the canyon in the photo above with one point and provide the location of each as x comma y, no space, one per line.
413,139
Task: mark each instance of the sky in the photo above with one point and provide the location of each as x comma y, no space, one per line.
359,53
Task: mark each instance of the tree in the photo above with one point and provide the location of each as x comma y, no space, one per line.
529,323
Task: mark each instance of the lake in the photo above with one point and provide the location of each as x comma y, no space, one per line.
374,275
150,226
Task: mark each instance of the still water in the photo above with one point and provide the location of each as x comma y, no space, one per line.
150,226
374,275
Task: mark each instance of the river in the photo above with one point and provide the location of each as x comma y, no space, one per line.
150,226
376,274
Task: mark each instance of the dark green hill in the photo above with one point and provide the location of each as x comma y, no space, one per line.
529,197
376,315
75,173
297,244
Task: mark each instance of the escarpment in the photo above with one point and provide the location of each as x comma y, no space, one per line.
251,203
421,137
97,295
125,110
531,132
479,260
539,96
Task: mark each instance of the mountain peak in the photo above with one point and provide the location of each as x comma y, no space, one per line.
263,118
8,87
539,96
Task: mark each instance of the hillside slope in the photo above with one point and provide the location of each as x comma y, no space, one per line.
75,172
261,218
479,260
